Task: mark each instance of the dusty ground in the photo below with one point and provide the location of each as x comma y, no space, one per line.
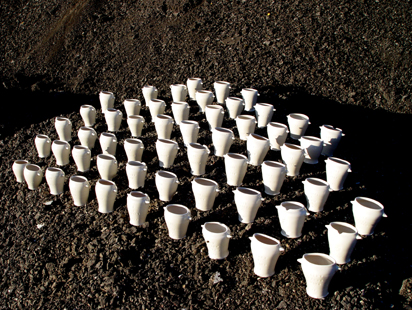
344,63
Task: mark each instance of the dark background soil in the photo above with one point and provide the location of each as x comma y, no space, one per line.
344,63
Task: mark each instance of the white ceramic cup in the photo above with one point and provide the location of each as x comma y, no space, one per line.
189,131
250,98
43,145
203,99
235,168
336,172
273,175
55,180
108,143
64,128
106,166
82,157
234,106
331,137
292,216
214,115
135,123
166,184
298,123
164,126
222,90
367,213
265,251
247,202
132,106
197,155
106,195
180,110
87,137
205,192
257,148
217,236
88,114
134,149
137,206
177,218
166,152
264,113
156,107
193,85
113,119
312,147
106,99
316,192
79,189
222,139
342,239
18,169
246,124
61,152
318,269
136,172
292,156
277,134
33,175
179,92
149,92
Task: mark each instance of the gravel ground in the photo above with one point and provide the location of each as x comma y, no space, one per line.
342,63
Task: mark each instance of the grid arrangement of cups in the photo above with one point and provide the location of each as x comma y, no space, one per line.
266,249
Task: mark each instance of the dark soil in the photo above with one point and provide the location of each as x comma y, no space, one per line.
344,63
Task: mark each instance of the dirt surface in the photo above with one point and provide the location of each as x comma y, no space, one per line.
344,63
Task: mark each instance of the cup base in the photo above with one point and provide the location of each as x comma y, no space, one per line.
271,193
263,276
310,161
283,233
317,297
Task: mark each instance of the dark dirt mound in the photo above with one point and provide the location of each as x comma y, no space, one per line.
339,62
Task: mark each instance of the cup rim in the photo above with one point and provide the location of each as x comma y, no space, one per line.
204,181
78,178
372,203
262,238
346,225
223,229
324,256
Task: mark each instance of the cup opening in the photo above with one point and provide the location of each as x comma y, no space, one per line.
137,194
176,209
86,128
78,179
343,228
111,110
166,174
236,156
258,137
265,105
274,164
132,100
278,125
105,182
162,116
21,162
266,239
292,205
293,146
204,92
106,92
106,157
61,119
80,147
310,138
318,259
215,228
222,83
223,130
214,107
339,161
235,98
297,116
317,182
205,182
32,167
187,122
249,89
42,137
135,116
133,141
197,146
166,141
136,163
248,191
53,169
59,142
107,134
245,117
330,127
369,203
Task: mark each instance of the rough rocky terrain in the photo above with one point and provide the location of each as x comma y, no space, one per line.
344,63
